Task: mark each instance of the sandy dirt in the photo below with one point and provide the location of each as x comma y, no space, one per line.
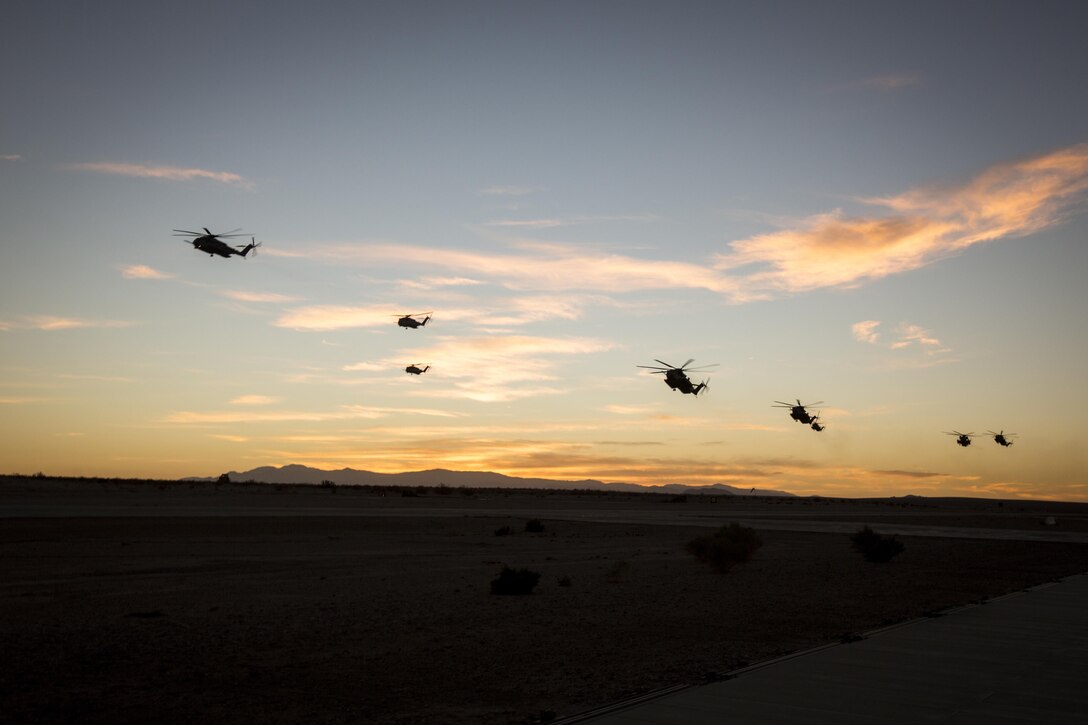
388,617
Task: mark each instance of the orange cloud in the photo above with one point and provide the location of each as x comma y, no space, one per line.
929,223
243,296
142,271
169,173
52,323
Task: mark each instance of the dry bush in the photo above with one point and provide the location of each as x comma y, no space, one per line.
730,545
515,581
876,547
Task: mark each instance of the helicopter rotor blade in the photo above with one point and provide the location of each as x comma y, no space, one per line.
685,365
670,367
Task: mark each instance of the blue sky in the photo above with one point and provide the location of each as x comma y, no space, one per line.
875,205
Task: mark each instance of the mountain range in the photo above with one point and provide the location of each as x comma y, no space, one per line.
439,477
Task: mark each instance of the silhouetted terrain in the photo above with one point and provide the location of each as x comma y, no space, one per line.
442,477
136,601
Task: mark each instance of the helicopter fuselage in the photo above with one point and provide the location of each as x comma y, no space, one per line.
801,415
677,380
212,247
412,323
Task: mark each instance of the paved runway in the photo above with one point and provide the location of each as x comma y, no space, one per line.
1020,659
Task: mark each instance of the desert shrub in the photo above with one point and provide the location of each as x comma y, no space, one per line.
617,572
514,581
875,547
534,526
223,478
503,531
731,544
326,483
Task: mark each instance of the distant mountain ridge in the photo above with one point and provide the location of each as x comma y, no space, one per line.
295,473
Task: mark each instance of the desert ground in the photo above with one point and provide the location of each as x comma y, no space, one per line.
129,601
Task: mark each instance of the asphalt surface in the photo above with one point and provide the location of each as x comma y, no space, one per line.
1018,659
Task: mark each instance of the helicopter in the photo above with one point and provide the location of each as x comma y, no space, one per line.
410,321
676,377
798,412
414,369
1002,438
963,439
213,244
815,425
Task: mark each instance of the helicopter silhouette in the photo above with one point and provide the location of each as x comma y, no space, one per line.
410,321
213,244
798,412
1002,438
677,378
414,369
815,425
962,439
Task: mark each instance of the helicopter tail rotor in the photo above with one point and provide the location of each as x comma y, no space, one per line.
251,247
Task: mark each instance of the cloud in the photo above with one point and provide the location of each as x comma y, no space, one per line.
243,296
169,173
906,335
927,224
345,412
11,157
52,323
916,335
497,368
427,283
254,400
550,223
550,268
831,250
336,317
865,331
142,271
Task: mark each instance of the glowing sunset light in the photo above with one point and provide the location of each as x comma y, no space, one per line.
879,210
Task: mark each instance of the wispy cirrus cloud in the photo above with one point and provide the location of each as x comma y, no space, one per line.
254,399
142,271
336,317
428,283
905,335
52,323
832,250
248,415
553,267
243,296
11,157
865,331
514,311
167,173
517,366
553,222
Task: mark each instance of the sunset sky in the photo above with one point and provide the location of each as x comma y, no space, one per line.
876,205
